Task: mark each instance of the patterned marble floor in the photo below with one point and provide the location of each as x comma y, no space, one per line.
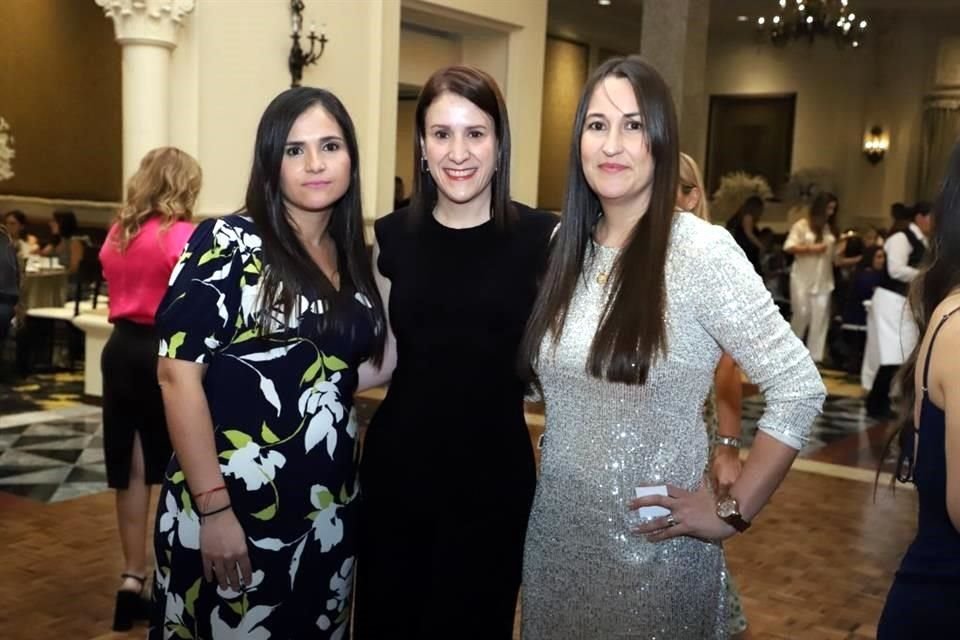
52,455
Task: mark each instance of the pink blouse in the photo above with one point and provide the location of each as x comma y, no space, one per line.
138,277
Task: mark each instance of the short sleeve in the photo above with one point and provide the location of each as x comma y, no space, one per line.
176,240
738,311
200,311
795,237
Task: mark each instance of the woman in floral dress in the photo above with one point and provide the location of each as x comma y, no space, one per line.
270,324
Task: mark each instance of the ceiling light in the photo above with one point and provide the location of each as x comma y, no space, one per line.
742,18
604,3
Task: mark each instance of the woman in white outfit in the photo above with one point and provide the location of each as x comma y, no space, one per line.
812,242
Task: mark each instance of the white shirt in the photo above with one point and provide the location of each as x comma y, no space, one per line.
898,250
811,272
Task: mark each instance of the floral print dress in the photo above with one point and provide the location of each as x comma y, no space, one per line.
287,444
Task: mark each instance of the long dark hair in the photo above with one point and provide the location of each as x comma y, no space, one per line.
752,206
632,333
936,281
482,90
818,214
288,269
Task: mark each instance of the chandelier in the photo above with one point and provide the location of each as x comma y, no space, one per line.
808,19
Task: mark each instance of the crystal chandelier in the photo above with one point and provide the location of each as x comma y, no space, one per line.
807,19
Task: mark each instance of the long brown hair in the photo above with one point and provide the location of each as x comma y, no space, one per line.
479,88
937,280
632,332
818,215
166,185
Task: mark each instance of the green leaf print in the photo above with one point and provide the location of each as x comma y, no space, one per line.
344,496
266,514
226,455
268,436
187,502
175,341
191,597
313,515
237,438
212,254
177,478
252,267
343,616
181,631
237,607
333,363
311,373
323,498
249,334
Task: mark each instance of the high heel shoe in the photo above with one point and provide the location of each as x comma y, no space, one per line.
131,606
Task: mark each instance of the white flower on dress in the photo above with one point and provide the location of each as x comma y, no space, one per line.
229,594
187,522
172,616
322,400
254,469
327,526
248,629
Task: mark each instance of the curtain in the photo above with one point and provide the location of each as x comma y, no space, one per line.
941,130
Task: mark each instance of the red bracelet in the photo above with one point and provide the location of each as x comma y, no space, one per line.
197,497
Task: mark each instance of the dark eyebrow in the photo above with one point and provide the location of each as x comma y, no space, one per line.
635,114
323,140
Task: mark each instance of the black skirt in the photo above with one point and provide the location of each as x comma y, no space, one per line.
132,404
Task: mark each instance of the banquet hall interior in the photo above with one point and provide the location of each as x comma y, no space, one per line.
866,107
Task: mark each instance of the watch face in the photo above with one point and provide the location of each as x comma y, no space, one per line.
727,508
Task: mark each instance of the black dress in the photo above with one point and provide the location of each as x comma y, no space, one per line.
923,601
447,474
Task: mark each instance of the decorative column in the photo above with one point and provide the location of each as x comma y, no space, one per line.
147,33
674,40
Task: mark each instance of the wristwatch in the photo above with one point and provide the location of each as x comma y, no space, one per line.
728,510
728,441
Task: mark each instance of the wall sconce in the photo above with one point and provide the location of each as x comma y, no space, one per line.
298,57
875,145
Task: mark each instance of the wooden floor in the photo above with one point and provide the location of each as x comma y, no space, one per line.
817,564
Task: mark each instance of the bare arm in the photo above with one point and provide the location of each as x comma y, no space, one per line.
223,546
945,393
370,375
189,422
76,255
726,465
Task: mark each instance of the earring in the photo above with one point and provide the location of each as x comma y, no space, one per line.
424,167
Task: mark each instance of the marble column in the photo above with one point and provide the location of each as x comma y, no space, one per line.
674,40
147,32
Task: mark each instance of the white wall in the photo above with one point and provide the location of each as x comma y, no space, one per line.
510,46
232,60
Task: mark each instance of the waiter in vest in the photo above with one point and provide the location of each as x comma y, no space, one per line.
891,330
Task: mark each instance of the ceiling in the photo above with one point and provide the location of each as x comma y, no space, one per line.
618,26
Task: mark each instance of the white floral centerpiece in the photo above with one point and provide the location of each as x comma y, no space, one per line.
734,190
6,151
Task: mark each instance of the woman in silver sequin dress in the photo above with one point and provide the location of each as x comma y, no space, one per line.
635,309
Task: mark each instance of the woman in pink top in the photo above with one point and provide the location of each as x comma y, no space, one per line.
139,255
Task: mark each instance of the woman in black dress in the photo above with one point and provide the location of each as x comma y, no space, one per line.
742,225
448,470
271,323
923,599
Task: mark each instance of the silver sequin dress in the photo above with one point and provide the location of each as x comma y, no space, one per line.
585,576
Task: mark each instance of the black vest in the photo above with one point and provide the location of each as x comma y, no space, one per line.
918,251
